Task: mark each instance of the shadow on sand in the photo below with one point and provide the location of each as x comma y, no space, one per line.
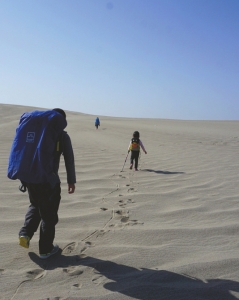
162,172
145,284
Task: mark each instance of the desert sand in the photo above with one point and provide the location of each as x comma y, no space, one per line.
169,231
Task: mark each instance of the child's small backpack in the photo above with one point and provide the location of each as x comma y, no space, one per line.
135,144
33,150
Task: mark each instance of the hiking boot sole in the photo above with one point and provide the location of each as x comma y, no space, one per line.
53,251
24,241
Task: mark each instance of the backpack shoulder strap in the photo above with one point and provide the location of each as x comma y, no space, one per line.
60,143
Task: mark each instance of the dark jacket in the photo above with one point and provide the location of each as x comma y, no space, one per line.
67,152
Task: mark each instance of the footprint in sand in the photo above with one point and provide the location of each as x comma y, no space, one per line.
122,203
36,274
73,271
69,248
98,279
117,225
124,219
103,208
81,256
134,222
101,232
77,286
122,213
86,245
90,244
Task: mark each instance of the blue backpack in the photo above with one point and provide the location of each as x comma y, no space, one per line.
97,121
33,150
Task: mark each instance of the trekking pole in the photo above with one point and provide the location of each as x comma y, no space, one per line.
125,161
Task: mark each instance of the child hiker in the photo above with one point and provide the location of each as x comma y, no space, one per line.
134,147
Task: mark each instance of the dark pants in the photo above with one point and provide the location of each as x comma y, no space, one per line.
134,158
43,209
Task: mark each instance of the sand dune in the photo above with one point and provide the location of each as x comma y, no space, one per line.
169,231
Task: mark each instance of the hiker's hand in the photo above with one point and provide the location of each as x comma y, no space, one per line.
71,188
128,151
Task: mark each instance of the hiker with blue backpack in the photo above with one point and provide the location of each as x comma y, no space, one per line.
97,122
134,146
34,159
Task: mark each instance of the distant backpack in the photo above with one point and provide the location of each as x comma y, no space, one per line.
97,122
135,144
33,150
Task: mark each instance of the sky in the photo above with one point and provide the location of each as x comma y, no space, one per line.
169,59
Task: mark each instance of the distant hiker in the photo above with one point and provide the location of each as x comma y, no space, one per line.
97,122
134,147
34,160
